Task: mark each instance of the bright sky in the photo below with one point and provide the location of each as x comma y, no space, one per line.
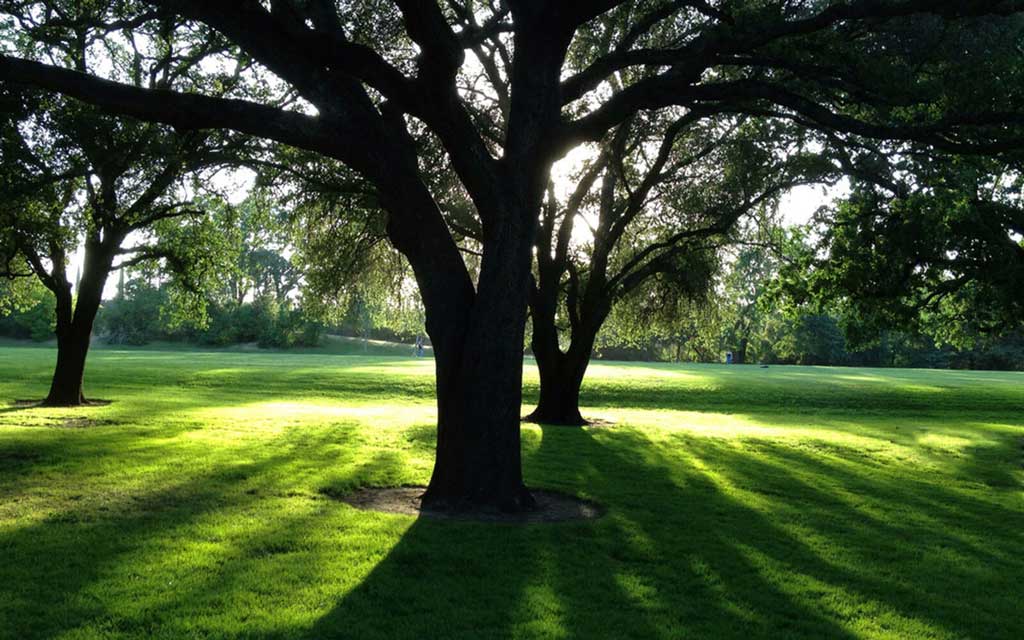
801,203
235,185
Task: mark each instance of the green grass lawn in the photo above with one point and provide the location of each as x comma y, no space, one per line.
741,502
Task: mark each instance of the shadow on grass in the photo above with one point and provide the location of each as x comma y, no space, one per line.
798,391
137,560
704,537
21,405
59,558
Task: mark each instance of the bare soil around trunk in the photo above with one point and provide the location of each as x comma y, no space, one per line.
61,422
552,506
592,423
29,404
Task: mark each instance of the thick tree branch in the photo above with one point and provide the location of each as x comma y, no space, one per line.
302,56
647,261
688,62
750,96
190,111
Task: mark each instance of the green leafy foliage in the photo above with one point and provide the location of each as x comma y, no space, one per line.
134,317
26,310
145,314
943,255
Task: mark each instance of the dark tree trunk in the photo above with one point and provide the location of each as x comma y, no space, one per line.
479,387
561,377
74,327
478,448
478,335
66,386
741,352
561,374
477,338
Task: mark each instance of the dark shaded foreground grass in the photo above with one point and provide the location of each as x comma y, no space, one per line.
742,502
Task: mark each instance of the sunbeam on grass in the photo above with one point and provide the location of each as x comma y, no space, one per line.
741,502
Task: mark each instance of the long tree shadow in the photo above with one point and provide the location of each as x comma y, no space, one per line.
152,557
441,579
664,562
945,554
739,541
671,551
51,562
704,537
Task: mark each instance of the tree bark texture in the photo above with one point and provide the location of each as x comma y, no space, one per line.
75,318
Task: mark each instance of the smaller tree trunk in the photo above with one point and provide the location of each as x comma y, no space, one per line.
74,326
741,352
561,377
559,402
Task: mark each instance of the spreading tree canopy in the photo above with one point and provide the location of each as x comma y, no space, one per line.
362,82
650,211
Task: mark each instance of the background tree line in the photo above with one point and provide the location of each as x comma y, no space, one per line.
745,310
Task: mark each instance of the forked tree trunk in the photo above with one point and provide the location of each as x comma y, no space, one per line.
477,339
561,377
74,328
478,335
561,373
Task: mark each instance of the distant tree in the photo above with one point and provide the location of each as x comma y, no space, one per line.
134,316
744,287
72,176
264,246
811,339
658,322
342,266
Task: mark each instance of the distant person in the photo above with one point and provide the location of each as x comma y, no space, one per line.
419,346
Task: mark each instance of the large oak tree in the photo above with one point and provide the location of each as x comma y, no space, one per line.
370,77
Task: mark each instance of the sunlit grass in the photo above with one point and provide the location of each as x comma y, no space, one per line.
742,502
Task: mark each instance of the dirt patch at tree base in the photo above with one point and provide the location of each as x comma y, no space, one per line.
552,506
593,423
66,422
80,423
29,404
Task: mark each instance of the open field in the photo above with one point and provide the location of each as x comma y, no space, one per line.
741,503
